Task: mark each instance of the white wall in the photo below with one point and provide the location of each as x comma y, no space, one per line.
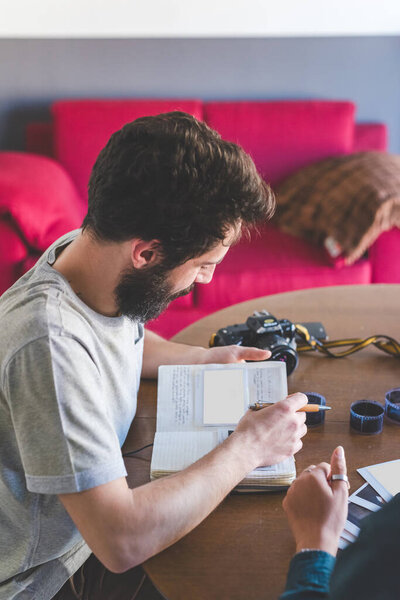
34,73
200,18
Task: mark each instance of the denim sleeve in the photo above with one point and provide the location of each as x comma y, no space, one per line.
309,575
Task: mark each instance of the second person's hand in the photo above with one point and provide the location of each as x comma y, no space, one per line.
316,505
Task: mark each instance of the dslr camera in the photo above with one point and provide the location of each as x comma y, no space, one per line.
263,330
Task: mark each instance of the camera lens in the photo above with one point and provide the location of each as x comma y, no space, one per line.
286,355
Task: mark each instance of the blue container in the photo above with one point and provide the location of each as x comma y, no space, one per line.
392,405
317,418
366,416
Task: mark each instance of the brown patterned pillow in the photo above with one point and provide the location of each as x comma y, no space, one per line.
343,203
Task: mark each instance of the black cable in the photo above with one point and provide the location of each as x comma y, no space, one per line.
132,452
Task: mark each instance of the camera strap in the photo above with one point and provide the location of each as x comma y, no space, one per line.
310,343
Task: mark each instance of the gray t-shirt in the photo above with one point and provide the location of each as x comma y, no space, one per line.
68,384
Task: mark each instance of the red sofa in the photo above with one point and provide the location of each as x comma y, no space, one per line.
42,198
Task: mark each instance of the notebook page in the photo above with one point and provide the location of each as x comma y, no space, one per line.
286,466
175,398
174,451
180,391
267,384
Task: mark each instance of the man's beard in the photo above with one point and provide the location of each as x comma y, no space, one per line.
142,295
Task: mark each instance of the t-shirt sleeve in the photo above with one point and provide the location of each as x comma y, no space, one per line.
65,436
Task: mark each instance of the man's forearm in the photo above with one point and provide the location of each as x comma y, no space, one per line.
158,351
124,527
167,509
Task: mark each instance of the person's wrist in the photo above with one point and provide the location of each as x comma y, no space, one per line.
239,443
196,355
325,542
202,355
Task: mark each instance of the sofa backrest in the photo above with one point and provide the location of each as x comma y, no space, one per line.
281,136
82,128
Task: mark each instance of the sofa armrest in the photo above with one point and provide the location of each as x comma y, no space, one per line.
384,257
38,204
39,197
370,136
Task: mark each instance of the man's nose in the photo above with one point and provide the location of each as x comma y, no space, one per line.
206,275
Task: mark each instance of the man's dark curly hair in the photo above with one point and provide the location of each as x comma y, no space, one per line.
173,179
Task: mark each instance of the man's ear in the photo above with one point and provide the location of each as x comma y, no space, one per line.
145,254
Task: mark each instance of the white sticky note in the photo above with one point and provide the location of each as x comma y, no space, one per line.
223,400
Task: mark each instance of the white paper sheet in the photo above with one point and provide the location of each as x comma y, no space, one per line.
384,478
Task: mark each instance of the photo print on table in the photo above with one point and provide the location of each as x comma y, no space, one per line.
355,515
367,497
383,477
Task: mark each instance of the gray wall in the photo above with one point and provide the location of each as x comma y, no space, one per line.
33,73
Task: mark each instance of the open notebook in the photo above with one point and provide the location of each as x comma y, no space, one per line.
198,406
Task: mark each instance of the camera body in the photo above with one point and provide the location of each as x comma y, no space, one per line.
263,330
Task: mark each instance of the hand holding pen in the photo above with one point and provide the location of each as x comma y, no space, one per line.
273,435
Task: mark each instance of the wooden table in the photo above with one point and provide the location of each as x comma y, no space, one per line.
242,550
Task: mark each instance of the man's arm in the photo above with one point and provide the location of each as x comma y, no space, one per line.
158,351
124,527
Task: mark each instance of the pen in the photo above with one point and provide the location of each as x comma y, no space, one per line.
306,408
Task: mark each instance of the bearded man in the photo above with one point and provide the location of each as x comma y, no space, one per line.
167,198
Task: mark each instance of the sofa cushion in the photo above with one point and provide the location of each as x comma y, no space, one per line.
83,127
271,263
284,136
384,257
38,196
344,203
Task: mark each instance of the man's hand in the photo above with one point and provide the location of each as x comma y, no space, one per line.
233,354
272,434
316,507
158,351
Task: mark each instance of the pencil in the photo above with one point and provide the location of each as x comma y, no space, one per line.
307,408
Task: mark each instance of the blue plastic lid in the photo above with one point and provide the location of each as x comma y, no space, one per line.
317,418
392,405
366,416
